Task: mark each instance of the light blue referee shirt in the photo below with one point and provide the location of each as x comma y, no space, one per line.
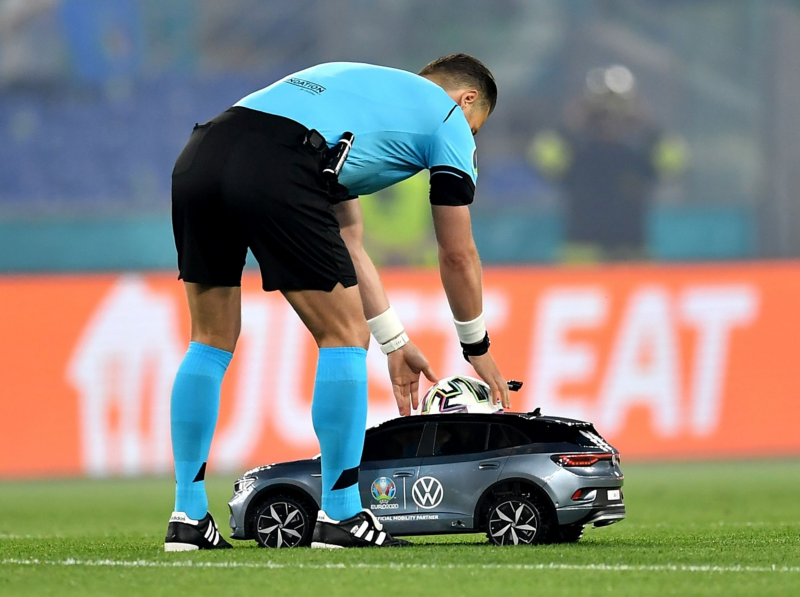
402,122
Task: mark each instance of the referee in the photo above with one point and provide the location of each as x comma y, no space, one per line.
252,177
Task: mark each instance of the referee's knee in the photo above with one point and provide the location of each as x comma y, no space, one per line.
216,340
354,334
363,335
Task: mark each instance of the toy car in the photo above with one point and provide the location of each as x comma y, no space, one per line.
520,478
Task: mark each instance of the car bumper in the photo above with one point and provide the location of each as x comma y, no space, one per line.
599,516
238,508
237,532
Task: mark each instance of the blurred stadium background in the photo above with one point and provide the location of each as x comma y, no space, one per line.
638,213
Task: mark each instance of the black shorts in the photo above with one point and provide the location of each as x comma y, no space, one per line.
246,179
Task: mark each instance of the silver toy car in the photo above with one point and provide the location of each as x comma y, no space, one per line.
520,478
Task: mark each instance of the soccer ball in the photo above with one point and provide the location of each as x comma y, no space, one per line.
458,394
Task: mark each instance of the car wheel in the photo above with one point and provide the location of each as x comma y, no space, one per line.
569,533
515,520
283,521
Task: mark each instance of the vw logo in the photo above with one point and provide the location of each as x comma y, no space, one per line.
427,492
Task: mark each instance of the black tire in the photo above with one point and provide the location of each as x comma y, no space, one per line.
517,520
282,521
569,533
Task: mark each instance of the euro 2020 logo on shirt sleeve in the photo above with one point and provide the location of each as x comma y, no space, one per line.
475,161
383,489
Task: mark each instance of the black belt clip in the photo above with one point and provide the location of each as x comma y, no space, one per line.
315,141
337,156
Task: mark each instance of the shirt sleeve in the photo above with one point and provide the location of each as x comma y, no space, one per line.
453,161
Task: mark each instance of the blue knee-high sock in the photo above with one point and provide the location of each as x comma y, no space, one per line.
193,416
339,413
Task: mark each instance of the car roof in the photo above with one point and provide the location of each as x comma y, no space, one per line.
521,419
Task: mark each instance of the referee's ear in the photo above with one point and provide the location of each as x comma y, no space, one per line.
467,97
475,109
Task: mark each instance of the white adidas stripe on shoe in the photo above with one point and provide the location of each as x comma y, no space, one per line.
187,534
362,530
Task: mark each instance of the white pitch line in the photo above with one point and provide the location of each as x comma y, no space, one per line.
276,565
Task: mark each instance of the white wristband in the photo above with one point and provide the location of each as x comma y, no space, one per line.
395,344
385,326
471,332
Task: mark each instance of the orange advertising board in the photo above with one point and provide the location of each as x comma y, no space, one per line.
668,362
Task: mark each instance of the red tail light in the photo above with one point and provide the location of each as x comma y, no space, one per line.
582,459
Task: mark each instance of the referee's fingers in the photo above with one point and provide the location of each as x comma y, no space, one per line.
427,371
496,398
401,395
505,395
497,393
414,394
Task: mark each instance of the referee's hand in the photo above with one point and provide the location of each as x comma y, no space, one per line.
405,365
488,371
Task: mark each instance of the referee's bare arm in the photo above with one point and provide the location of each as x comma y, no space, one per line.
351,223
460,269
405,364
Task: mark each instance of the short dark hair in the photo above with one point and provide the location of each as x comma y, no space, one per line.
466,71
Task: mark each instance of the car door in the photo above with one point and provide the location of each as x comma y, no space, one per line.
389,468
455,474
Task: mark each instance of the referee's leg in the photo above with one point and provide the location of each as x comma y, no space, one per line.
339,410
216,322
216,313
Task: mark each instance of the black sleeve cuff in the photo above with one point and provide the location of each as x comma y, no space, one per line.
451,186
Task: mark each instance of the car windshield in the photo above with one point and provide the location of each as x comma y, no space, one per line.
546,432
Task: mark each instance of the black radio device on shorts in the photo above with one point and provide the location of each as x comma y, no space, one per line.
336,156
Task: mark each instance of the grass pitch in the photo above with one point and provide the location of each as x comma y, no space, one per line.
692,529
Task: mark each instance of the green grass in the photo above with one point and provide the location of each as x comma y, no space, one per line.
743,518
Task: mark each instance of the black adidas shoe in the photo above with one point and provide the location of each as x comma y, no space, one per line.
362,530
186,534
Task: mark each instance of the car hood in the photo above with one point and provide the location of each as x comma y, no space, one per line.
281,469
